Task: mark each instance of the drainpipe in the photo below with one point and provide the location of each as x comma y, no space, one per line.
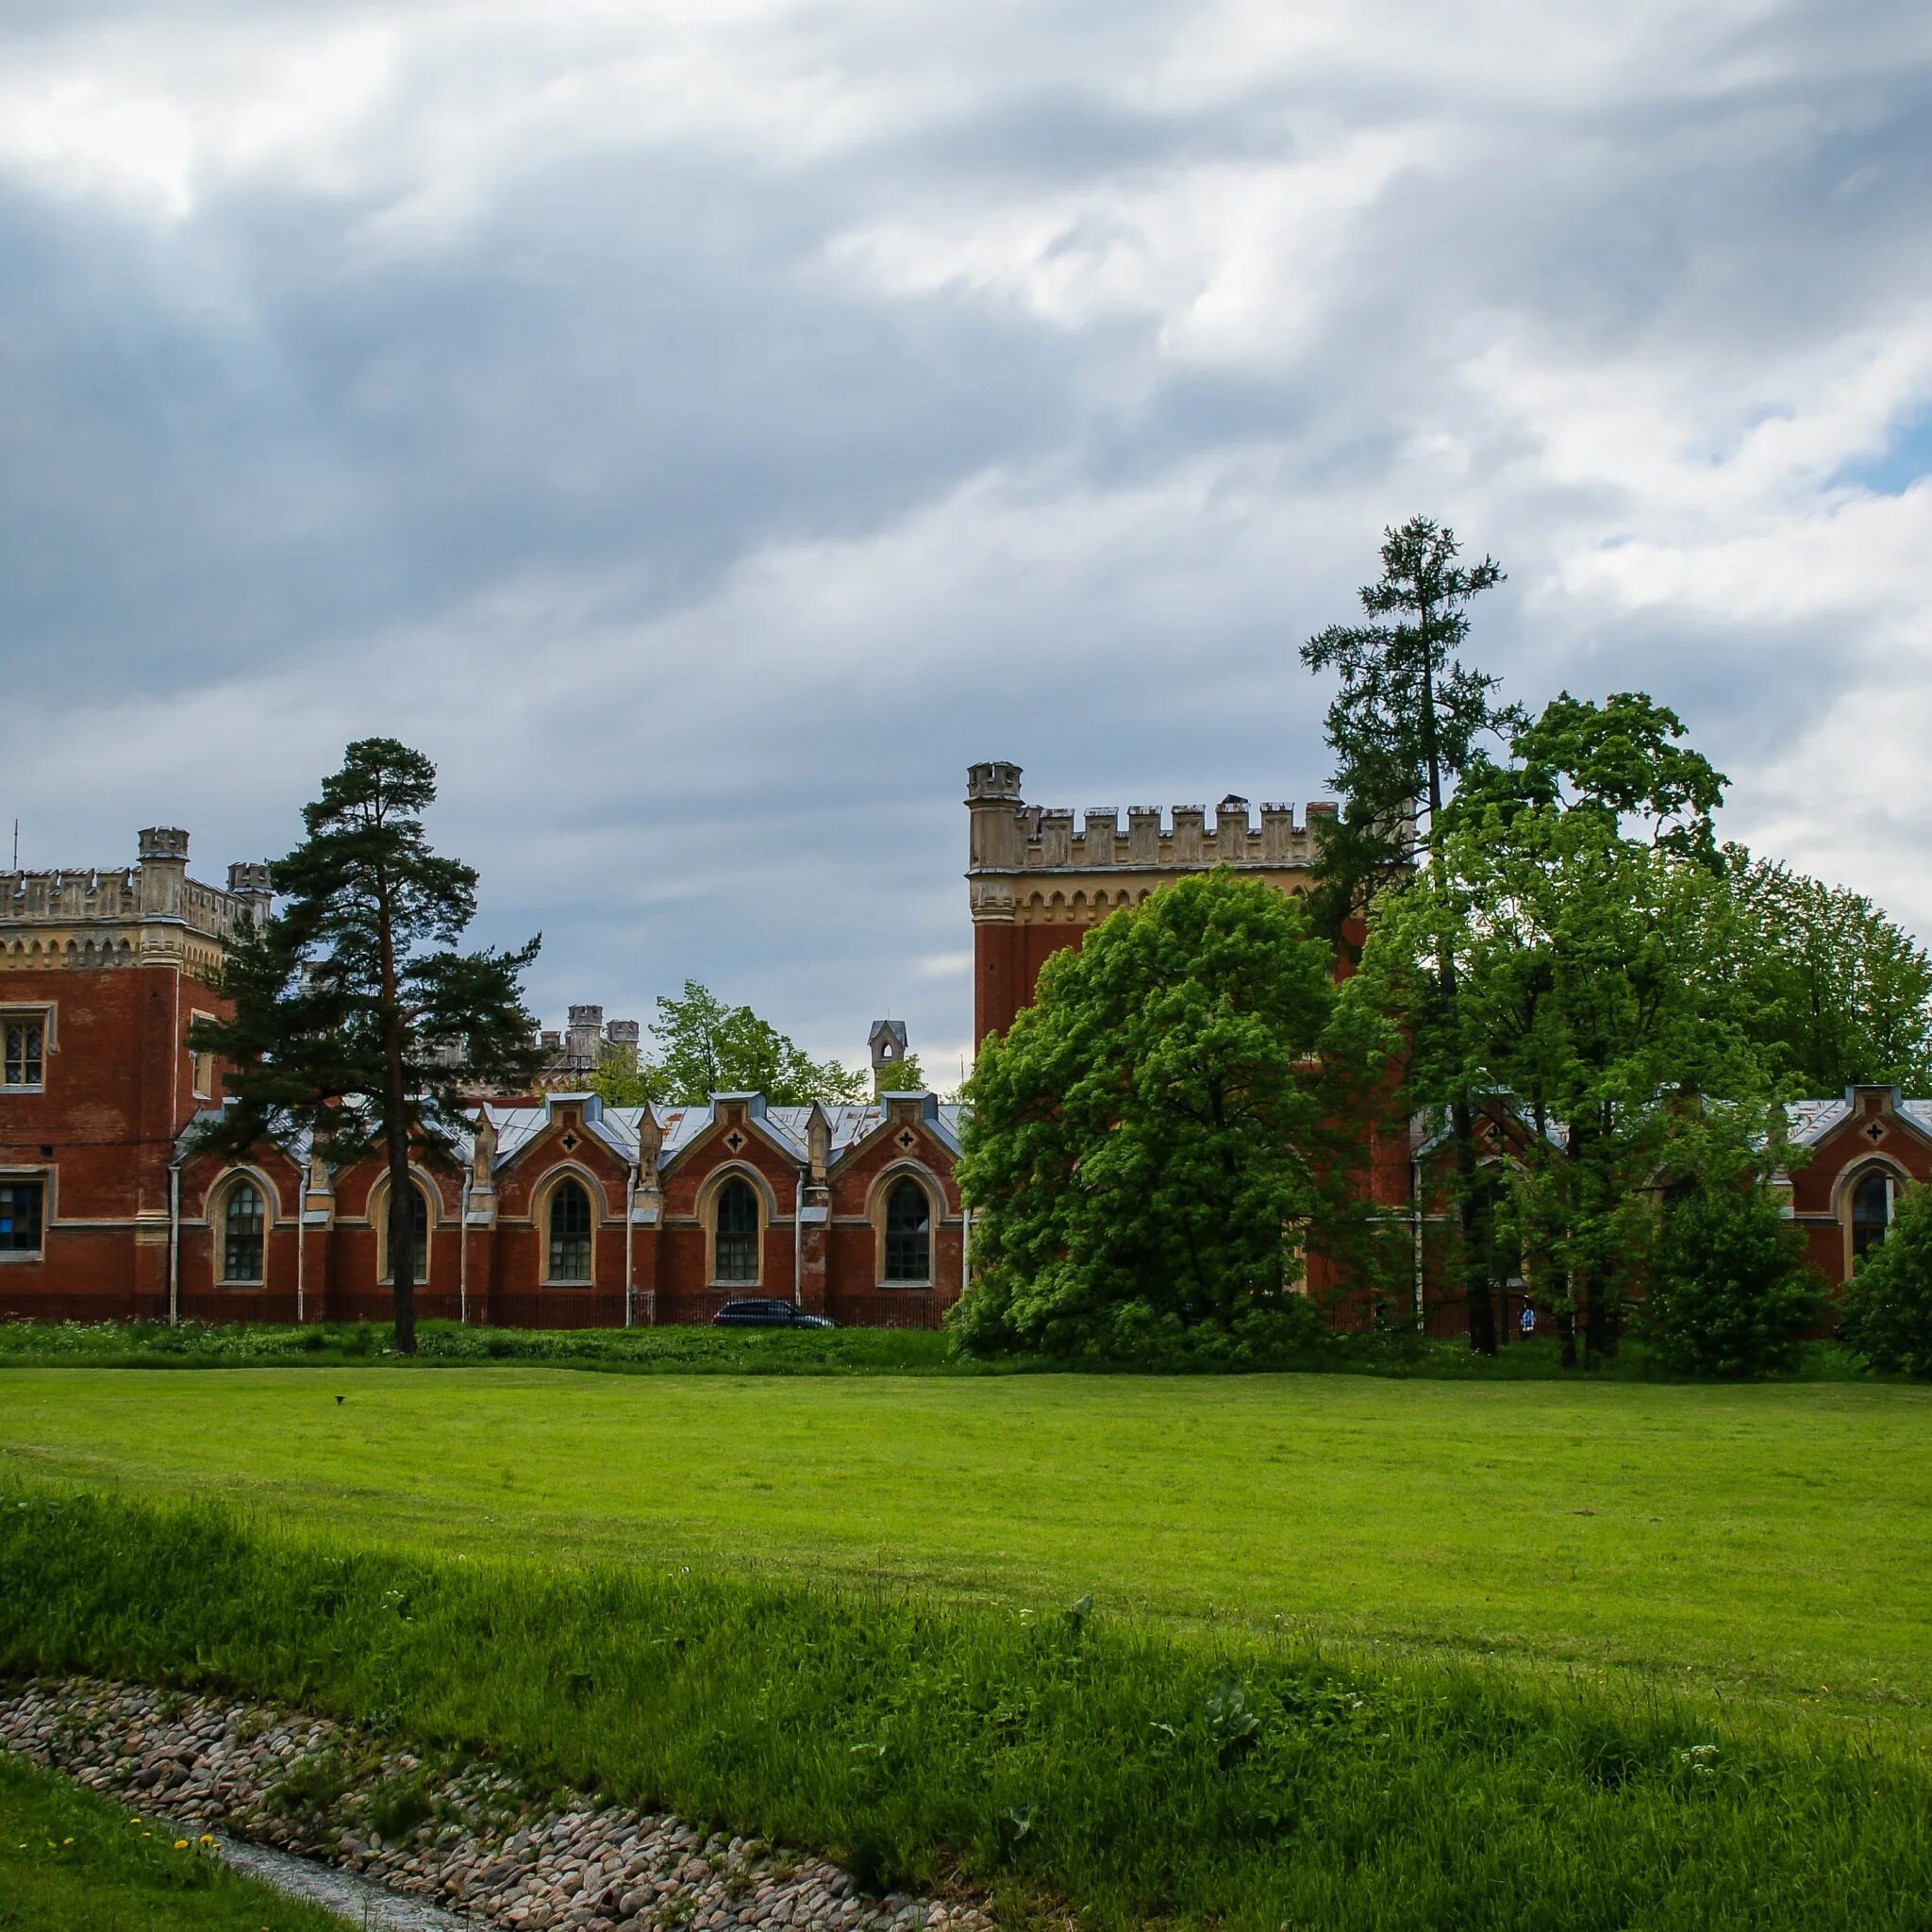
463,1258
173,1244
300,1240
630,1202
798,1242
1415,1194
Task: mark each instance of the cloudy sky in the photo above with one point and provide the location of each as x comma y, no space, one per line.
706,429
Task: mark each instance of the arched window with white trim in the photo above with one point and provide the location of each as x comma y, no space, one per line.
244,1220
909,1235
734,1234
570,1234
419,1236
1871,1210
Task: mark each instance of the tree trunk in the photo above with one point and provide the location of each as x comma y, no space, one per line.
1475,1262
1566,1327
1600,1323
402,1236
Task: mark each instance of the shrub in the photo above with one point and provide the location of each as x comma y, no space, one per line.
1886,1312
1730,1291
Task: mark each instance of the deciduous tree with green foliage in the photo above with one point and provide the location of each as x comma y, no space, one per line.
1728,1291
1148,1147
1838,996
1407,721
705,1047
1885,1309
1580,897
356,1022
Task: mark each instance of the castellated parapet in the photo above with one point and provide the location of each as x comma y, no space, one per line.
1032,870
1009,835
147,913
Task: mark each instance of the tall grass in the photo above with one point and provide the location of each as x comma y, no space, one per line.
1139,1779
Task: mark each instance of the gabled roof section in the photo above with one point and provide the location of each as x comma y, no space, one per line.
296,1145
1811,1121
519,1127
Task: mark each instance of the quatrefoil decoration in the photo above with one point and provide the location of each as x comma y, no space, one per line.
569,1144
908,1138
734,1139
1875,1132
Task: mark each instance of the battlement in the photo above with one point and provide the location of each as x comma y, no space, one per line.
90,915
1010,836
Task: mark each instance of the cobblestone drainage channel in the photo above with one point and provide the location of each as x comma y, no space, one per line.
409,1843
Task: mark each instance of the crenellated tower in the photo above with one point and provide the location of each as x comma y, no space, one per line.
1037,883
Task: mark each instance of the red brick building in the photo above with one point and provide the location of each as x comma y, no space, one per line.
557,1211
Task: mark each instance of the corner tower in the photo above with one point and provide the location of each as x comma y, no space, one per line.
1036,884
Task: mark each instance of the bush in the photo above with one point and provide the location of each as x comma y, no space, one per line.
1729,1293
1886,1312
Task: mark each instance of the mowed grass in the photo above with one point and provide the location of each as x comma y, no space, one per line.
1769,1543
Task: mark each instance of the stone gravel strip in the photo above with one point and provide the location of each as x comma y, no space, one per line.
464,1836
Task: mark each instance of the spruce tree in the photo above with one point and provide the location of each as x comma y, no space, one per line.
1404,725
356,1020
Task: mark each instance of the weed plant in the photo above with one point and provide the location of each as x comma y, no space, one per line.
1068,1760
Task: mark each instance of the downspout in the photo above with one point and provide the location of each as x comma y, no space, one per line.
798,1242
173,1244
300,1240
463,1258
630,1203
1415,1190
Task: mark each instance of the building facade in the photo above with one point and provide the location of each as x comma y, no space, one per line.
1036,885
554,1209
101,971
551,1210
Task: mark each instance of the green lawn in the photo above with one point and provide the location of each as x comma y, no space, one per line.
1771,1541
70,1861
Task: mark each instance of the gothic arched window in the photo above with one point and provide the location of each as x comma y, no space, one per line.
570,1234
1871,1212
908,1233
419,1239
734,1234
243,1220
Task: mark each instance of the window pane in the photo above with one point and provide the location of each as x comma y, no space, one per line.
1871,1211
908,1233
736,1244
21,1204
21,1047
419,1237
570,1233
241,1225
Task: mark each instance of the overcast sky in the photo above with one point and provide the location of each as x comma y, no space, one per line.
706,429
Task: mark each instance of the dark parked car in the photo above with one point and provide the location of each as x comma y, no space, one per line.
748,1311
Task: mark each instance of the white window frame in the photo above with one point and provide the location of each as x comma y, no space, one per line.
31,1013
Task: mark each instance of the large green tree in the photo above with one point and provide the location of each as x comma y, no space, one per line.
1404,723
356,1020
1838,994
1581,897
705,1047
1149,1143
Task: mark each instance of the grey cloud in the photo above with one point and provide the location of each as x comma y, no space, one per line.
509,487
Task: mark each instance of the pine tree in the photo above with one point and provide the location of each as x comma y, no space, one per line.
356,1020
1404,725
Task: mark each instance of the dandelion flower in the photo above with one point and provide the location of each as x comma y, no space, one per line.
180,1844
